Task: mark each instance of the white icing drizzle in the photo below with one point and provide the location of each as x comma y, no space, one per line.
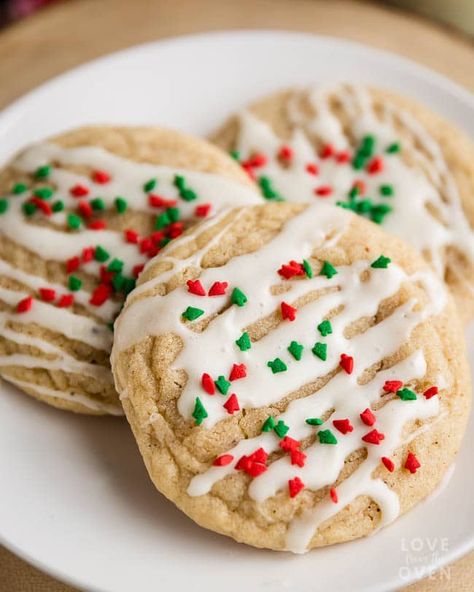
414,190
214,351
53,243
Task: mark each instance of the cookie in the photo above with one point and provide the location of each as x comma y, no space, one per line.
381,155
294,376
79,217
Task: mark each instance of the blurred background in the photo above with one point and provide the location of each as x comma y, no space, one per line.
457,13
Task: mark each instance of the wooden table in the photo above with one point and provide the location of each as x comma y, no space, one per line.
76,31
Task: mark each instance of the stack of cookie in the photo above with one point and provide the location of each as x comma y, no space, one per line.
277,314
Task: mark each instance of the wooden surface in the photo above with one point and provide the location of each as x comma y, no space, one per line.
76,31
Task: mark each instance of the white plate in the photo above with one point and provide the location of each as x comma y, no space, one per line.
75,498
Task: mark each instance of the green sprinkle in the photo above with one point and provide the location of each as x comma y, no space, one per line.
393,148
179,182
74,283
406,394
243,342
320,350
277,365
381,263
121,205
222,385
378,212
235,154
98,204
164,242
368,145
42,172
363,206
199,412
129,284
101,254
268,424
386,190
19,188
281,429
74,221
43,192
327,437
238,297
110,327
3,205
162,220
192,313
296,350
115,265
325,328
358,162
268,190
118,282
173,214
28,208
307,268
188,194
149,185
328,270
314,421
58,206
354,192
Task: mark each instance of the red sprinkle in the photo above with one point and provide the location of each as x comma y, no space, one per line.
257,160
85,209
232,404
98,225
47,294
373,437
44,206
312,168
195,287
87,254
157,236
285,153
202,210
375,165
342,157
289,270
208,384
431,392
105,275
25,304
360,185
218,288
100,177
72,264
367,417
100,294
131,236
388,463
223,460
65,301
343,425
79,190
347,363
137,269
238,371
256,469
392,386
254,464
156,201
259,456
323,190
295,485
412,463
146,244
175,229
288,444
333,494
327,151
298,457
288,311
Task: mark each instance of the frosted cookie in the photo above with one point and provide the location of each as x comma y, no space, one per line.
79,217
383,156
294,376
